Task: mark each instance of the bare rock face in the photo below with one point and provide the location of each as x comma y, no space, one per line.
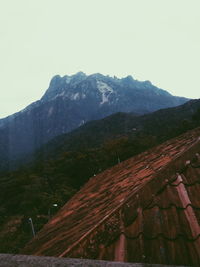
69,102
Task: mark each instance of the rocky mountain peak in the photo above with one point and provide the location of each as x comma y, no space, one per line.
78,77
102,90
129,78
97,76
55,81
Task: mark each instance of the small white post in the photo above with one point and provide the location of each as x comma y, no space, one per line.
32,226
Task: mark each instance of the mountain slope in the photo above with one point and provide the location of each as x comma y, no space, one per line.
163,124
71,101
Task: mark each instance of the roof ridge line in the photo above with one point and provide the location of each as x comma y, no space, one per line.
160,235
170,206
184,183
170,183
156,174
195,166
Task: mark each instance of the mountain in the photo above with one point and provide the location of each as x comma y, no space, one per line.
70,102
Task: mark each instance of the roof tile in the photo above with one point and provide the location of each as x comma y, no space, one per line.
145,209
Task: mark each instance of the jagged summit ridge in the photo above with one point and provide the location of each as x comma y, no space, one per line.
105,88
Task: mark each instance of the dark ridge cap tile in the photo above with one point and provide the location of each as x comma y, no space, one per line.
161,235
184,183
195,165
170,206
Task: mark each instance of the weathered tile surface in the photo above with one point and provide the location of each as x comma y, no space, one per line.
145,209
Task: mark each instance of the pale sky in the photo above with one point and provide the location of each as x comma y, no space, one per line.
156,40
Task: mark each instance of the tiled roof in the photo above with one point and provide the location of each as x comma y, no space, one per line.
145,209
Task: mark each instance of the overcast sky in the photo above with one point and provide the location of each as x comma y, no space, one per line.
156,40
